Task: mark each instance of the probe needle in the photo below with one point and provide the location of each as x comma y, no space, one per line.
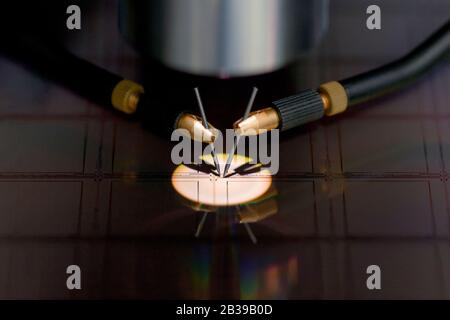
247,228
205,124
250,233
236,141
200,225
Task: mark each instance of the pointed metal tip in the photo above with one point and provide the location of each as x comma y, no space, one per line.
227,167
216,163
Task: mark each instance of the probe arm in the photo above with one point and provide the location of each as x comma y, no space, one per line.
335,97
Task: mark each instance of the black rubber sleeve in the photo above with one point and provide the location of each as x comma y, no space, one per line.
55,63
396,75
299,109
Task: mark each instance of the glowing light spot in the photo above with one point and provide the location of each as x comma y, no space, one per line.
212,190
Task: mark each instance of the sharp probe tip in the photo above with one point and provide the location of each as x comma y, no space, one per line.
227,167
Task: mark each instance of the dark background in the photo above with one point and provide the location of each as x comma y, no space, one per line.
81,185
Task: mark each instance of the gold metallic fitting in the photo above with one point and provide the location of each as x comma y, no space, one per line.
125,96
334,98
194,125
260,209
258,122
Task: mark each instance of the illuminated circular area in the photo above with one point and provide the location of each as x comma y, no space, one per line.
207,188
